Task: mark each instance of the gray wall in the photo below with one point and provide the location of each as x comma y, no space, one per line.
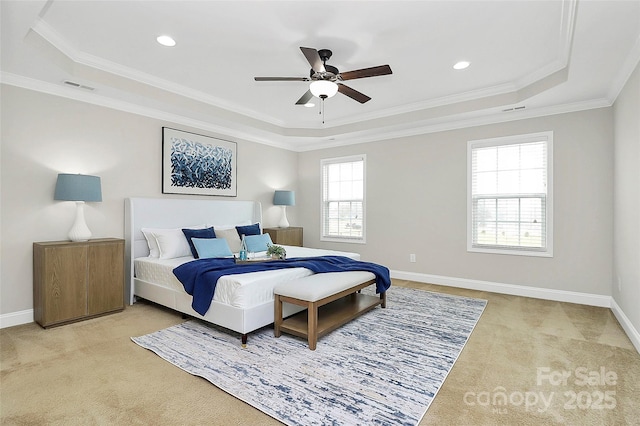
626,282
416,192
43,135
416,203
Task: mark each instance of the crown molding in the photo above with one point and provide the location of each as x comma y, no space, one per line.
460,121
48,33
302,144
107,102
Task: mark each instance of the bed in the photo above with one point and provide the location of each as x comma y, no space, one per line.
242,303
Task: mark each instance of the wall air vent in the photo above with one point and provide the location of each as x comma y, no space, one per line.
78,85
514,108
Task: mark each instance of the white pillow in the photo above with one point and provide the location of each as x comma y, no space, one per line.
167,243
232,237
151,242
172,243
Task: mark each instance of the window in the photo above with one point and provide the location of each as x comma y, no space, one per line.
343,206
509,206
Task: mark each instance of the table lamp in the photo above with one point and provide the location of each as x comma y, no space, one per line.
284,199
78,188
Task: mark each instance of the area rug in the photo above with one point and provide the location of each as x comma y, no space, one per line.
384,367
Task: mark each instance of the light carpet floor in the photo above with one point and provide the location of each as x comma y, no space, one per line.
383,368
91,373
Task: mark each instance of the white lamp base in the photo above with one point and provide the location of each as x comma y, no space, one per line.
79,231
284,223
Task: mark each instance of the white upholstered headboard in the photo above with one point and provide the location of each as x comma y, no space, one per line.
175,213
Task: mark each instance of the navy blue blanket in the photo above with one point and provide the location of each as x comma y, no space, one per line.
200,277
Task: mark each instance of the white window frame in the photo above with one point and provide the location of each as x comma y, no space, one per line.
324,236
513,140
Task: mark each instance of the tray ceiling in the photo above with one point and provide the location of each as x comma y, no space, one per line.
527,58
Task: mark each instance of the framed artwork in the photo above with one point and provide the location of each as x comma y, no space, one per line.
198,165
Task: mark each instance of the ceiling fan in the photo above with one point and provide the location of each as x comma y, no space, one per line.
326,80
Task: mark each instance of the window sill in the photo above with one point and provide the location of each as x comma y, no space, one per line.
547,253
344,240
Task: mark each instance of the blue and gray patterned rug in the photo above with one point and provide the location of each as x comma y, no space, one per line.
384,367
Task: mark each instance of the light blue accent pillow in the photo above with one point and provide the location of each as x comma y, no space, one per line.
211,247
197,233
256,243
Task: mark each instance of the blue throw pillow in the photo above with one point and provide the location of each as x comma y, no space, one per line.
257,243
249,230
197,233
212,247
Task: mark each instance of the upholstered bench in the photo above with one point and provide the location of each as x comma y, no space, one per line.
332,299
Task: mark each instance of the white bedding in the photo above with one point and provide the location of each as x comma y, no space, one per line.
241,290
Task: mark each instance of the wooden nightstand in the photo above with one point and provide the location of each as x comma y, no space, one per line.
291,236
73,281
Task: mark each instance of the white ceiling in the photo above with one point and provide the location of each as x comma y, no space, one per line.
546,56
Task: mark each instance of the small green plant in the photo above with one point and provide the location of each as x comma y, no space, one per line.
277,252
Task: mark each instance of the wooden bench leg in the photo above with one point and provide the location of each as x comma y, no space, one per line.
277,315
383,297
312,325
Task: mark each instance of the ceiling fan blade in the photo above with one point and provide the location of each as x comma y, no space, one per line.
281,78
353,94
305,98
314,59
366,72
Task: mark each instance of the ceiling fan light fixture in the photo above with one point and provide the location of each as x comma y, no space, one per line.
166,40
323,88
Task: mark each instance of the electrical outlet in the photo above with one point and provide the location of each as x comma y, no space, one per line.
412,258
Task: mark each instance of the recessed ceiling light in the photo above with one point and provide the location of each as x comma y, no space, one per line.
309,104
165,40
461,65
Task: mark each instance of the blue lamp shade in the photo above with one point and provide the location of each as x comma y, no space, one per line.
284,198
78,188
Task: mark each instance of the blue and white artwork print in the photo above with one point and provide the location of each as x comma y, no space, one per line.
197,164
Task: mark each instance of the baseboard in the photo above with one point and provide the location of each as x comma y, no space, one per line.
527,291
16,318
624,321
26,316
513,289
